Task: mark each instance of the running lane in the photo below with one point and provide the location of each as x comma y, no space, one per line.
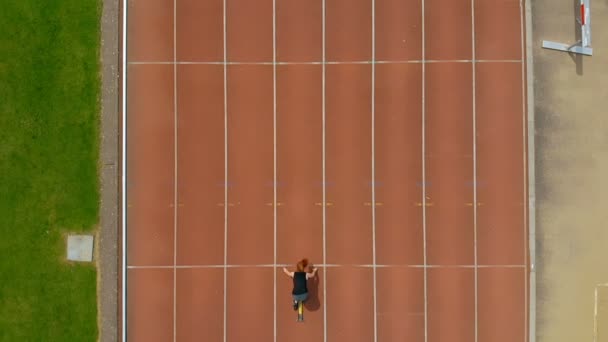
398,170
250,198
449,164
449,191
348,170
299,161
348,188
349,219
150,202
151,194
399,238
299,192
200,165
200,211
502,226
299,30
150,174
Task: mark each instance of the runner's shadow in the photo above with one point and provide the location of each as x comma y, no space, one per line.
313,304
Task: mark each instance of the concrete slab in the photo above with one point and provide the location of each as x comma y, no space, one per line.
80,248
571,148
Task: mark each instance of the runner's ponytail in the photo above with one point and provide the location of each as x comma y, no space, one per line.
301,266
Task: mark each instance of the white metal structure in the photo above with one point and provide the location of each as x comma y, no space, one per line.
582,46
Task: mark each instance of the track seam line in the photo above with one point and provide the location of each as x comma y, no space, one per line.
225,170
429,61
124,171
274,186
426,321
324,209
175,156
373,136
474,103
523,100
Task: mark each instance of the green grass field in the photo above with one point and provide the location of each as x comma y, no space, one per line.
49,139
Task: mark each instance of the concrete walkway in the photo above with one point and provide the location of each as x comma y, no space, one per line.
107,261
571,115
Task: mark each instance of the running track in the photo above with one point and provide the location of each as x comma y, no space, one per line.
371,136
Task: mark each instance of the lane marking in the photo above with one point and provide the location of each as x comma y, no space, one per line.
526,189
411,61
424,197
324,204
475,203
174,170
326,266
225,168
373,204
274,186
124,172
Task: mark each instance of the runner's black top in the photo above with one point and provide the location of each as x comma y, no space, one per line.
299,283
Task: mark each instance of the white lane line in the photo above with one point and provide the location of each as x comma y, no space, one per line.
473,68
174,171
225,171
373,110
413,61
274,186
426,320
124,170
324,178
523,100
324,266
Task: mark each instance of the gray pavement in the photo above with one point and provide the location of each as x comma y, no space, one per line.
108,238
571,149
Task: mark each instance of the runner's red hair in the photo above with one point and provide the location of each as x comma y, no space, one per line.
301,266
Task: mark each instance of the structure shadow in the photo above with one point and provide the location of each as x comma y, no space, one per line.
577,58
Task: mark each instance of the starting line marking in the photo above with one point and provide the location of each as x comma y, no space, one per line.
228,204
324,266
369,204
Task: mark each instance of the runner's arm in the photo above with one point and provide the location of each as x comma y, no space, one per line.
287,272
311,274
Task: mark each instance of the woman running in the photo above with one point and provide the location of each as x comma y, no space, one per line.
300,276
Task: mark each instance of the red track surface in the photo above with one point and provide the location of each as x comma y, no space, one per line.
404,180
